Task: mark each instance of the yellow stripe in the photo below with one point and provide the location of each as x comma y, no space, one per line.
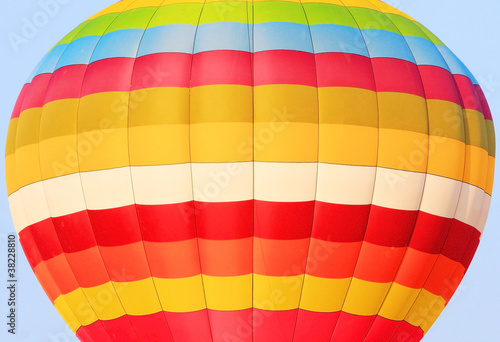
117,7
181,295
403,112
323,295
476,132
348,144
288,102
446,157
360,3
364,297
491,174
386,8
159,144
221,103
348,106
105,301
27,165
398,302
139,298
446,119
426,310
58,118
228,293
159,106
58,156
476,166
276,293
11,174
28,127
491,137
221,142
67,315
81,308
297,142
403,150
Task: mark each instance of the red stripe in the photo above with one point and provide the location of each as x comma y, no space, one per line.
278,220
168,222
75,232
383,329
222,67
234,220
110,74
467,92
458,239
224,220
66,83
408,333
340,222
483,102
390,227
273,326
344,70
19,102
430,233
35,92
396,75
115,227
234,67
439,84
267,326
162,70
231,325
284,67
314,326
351,328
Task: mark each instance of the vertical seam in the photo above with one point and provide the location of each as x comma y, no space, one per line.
375,167
191,172
317,170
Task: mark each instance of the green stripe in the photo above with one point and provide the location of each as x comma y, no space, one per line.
133,19
188,14
228,11
279,11
318,14
241,12
97,26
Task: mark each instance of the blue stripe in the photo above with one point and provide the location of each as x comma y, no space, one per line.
282,36
168,38
338,38
387,44
79,51
122,43
456,66
48,63
425,52
222,36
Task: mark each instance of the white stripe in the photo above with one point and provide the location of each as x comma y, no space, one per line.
470,205
345,184
398,189
107,189
67,187
17,211
440,196
484,213
285,182
162,184
223,182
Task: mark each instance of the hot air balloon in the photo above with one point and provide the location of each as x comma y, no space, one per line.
190,170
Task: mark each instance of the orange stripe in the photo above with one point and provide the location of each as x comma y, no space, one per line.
415,268
88,267
62,273
333,260
178,259
226,258
378,263
441,280
280,257
48,284
129,260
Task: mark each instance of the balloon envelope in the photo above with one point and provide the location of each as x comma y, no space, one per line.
250,171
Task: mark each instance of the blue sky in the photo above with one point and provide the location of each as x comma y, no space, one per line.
469,28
